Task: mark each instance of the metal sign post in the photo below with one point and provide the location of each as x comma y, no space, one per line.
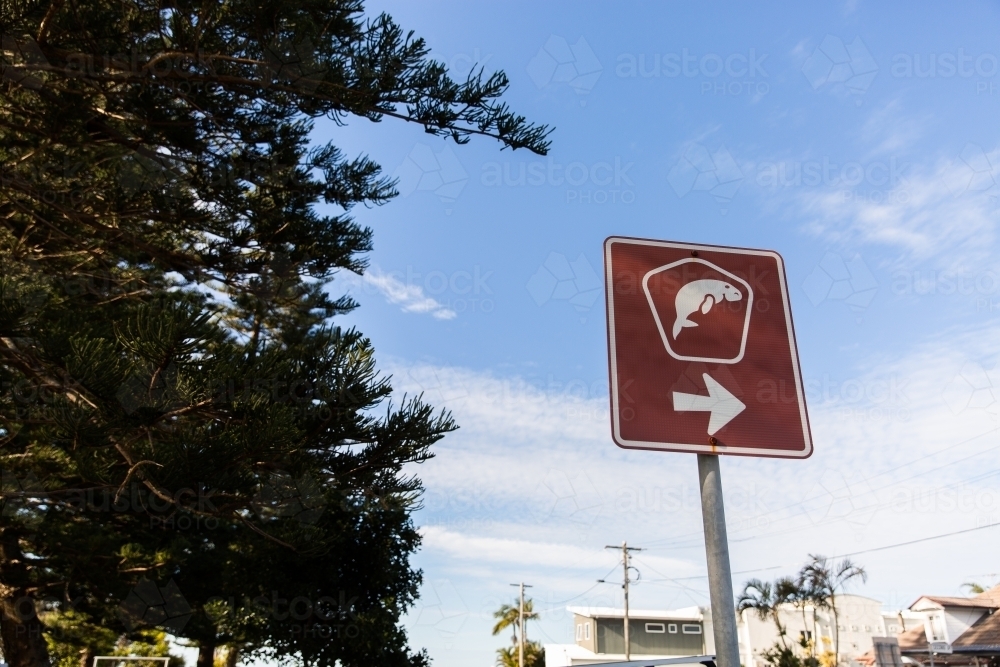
720,578
702,359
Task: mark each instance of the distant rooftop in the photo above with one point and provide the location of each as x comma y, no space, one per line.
685,614
992,595
984,636
987,600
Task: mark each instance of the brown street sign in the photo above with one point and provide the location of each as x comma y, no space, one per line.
701,350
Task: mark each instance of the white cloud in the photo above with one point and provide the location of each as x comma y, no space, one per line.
947,214
410,298
889,131
532,479
513,552
943,210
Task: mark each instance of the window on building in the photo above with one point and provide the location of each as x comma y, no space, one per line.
868,628
586,630
656,628
854,628
691,629
672,628
579,631
937,629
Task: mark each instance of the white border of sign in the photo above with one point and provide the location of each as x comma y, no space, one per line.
613,358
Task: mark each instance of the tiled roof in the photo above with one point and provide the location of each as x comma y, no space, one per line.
913,641
992,595
983,636
978,602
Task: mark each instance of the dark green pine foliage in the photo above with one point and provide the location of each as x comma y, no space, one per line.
179,412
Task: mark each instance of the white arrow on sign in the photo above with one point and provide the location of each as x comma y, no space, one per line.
722,404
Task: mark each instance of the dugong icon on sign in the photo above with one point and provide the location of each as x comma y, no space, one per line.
702,288
701,295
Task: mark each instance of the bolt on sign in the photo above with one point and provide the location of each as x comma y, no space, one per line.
702,351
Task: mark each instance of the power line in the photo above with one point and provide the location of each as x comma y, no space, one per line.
874,506
577,597
884,472
688,589
918,541
858,553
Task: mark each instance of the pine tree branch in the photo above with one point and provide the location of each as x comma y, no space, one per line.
128,476
262,533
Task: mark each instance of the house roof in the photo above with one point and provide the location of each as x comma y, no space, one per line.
978,602
992,595
568,652
913,641
686,614
984,635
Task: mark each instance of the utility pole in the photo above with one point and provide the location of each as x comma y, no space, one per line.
520,623
625,551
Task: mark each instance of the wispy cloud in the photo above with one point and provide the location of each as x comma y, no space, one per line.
537,553
947,214
533,470
410,298
889,131
941,208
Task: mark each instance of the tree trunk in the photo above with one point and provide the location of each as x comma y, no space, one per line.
232,655
20,627
206,655
781,631
836,632
805,630
86,656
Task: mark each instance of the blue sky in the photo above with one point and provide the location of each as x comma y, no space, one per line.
857,139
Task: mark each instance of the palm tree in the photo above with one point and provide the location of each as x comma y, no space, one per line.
534,655
978,587
764,599
508,616
827,578
974,587
801,596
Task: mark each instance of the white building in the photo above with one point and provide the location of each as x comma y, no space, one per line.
933,630
858,619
